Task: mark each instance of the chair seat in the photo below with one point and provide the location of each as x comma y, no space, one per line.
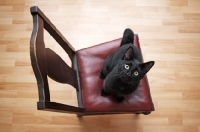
90,62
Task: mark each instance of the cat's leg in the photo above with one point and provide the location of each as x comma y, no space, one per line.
102,75
103,93
106,89
108,84
119,97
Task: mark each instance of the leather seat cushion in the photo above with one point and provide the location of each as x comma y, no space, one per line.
90,62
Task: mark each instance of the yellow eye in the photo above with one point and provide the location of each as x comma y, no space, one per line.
126,67
136,73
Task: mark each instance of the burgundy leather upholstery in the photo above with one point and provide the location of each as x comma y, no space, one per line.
90,61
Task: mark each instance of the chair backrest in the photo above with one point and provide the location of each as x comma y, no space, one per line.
45,61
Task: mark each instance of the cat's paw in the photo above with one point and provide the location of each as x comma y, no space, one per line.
101,75
120,99
103,93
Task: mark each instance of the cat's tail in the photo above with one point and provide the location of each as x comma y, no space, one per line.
128,37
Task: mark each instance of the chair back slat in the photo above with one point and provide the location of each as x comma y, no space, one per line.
58,70
38,58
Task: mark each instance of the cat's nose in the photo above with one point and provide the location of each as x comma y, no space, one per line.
128,74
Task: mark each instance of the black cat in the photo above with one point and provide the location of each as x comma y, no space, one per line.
123,69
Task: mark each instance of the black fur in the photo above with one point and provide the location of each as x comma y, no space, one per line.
123,69
127,37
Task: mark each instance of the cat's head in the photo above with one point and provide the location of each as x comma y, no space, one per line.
130,70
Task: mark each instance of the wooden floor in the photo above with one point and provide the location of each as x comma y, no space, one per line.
169,32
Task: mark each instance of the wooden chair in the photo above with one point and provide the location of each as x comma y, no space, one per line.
83,75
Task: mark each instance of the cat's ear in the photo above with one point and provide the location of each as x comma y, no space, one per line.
129,55
146,66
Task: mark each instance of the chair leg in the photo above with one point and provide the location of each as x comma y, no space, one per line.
79,115
146,113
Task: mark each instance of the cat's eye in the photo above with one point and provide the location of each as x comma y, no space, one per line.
126,67
136,73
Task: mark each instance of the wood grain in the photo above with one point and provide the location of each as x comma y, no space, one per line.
169,32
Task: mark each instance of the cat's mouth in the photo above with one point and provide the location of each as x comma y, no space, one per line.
126,80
